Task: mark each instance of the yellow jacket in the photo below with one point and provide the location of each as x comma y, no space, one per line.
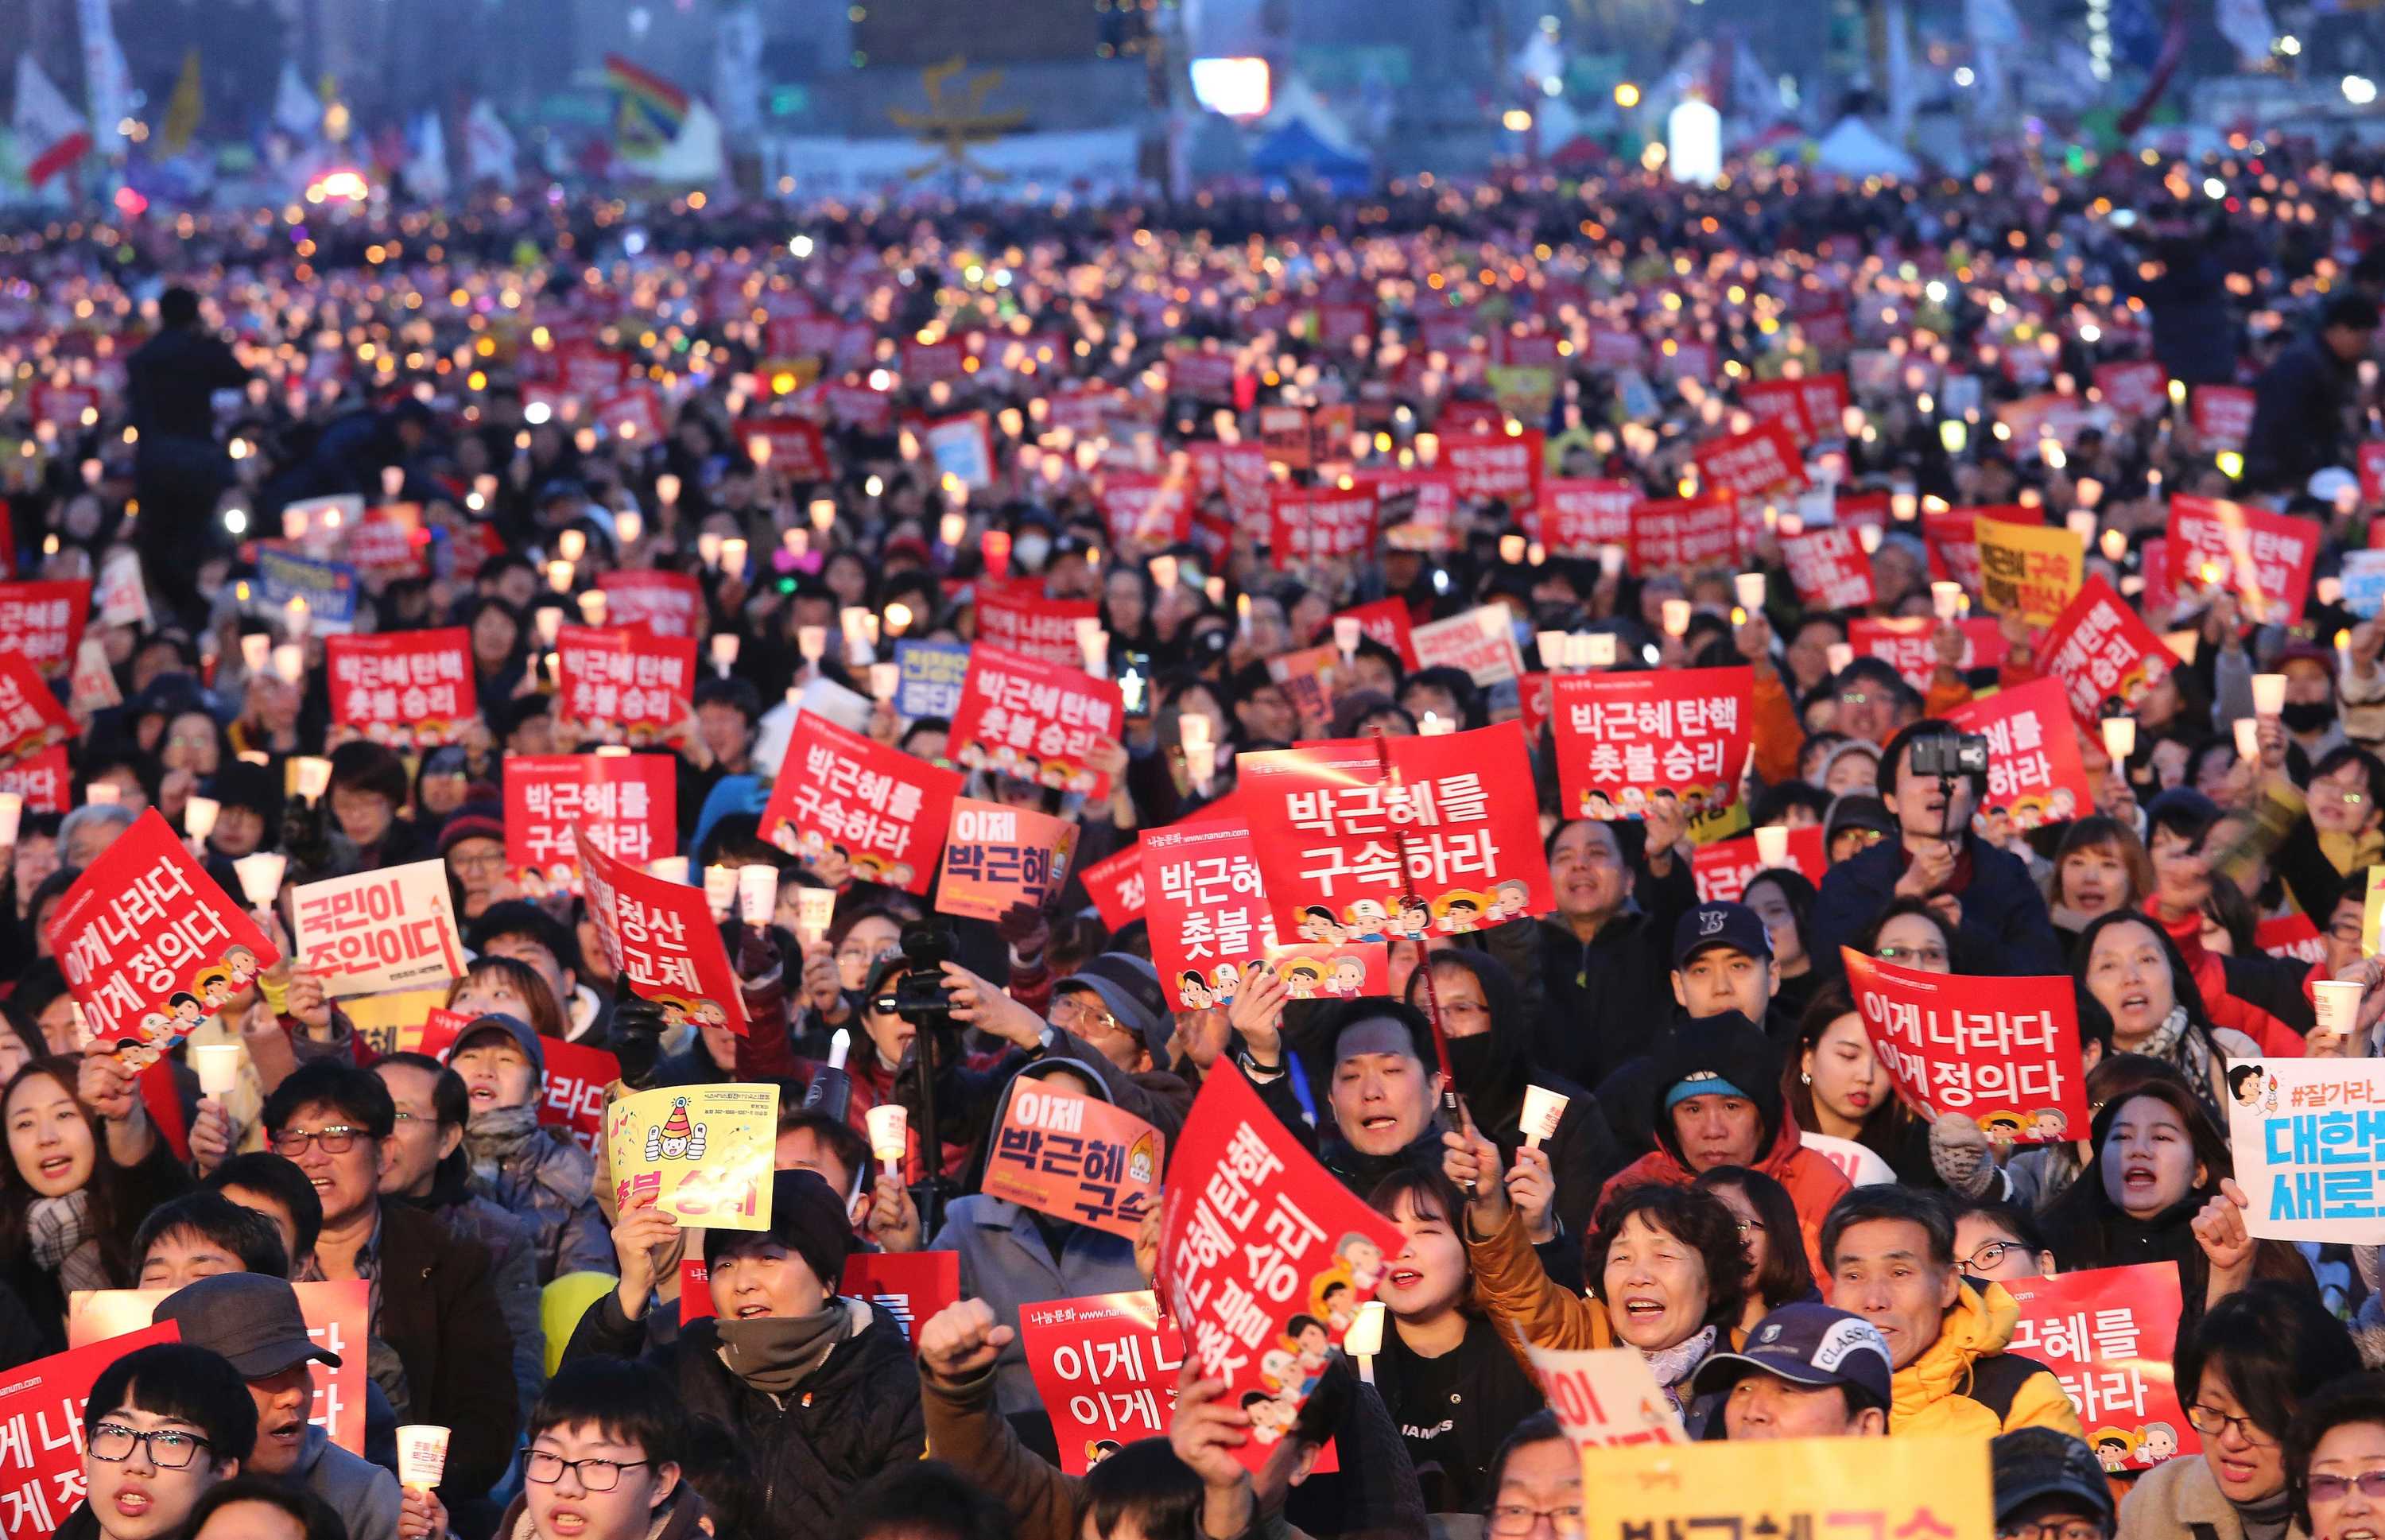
1933,1393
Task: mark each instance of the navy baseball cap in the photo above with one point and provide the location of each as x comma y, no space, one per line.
1725,924
1807,1344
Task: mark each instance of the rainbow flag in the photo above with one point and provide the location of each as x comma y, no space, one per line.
647,109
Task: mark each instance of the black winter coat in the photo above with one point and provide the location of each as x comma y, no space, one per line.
857,1414
2005,927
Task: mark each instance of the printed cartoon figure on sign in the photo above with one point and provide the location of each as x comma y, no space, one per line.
674,1139
2114,1446
2157,1440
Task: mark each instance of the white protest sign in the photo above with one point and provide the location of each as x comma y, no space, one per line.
390,929
1481,642
1605,1396
2308,1137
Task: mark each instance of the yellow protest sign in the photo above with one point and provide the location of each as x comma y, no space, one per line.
392,1022
2028,567
1812,1488
2372,912
699,1153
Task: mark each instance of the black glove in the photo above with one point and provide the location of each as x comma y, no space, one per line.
637,1034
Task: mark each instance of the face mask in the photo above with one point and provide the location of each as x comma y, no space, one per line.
1031,550
2306,716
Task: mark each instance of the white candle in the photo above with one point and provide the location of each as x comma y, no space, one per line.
2269,694
260,876
1947,599
314,776
1772,846
1750,587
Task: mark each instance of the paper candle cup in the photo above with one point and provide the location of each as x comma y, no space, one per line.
814,909
1542,1107
2269,694
1677,617
724,651
1364,1337
758,893
218,1068
1772,846
670,869
2338,1005
1554,647
719,888
2248,738
812,642
1347,630
421,1455
1947,599
888,1126
255,651
260,876
1598,650
289,662
592,606
2120,737
12,814
314,776
1750,586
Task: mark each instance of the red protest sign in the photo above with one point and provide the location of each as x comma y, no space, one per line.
1142,509
2371,462
2133,388
575,1081
43,620
996,856
151,947
41,1430
386,542
1264,1257
1905,641
1340,970
1387,621
408,689
1106,1367
1416,507
1624,738
790,445
2034,769
1016,617
660,936
2001,1051
635,685
1760,461
1205,909
1685,535
2265,557
2110,1336
1722,869
2104,653
1504,466
629,801
1075,1157
909,1285
1335,832
1781,403
1319,523
2290,935
1115,884
884,809
31,718
1283,435
1830,568
1023,715
668,604
42,780
1951,536
2223,415
1578,514
634,413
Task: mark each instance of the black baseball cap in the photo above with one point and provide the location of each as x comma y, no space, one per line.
252,1319
1808,1344
1723,924
2030,1463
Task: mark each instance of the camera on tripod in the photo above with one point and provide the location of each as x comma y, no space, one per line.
919,997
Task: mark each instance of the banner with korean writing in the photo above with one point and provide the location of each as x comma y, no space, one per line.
884,810
1604,1396
2290,936
43,620
660,936
408,689
2223,415
1075,1157
996,856
1722,869
1479,643
1909,1487
43,780
1115,884
2265,556
631,684
337,1313
2109,1335
629,801
1106,1367
2001,1051
1622,739
790,447
151,947
2308,1137
2035,774
1761,460
393,928
2104,653
931,673
330,588
2028,569
1577,515
1434,842
1952,537
1016,618
575,1080
1685,535
668,604
1388,622
1502,466
1333,971
31,718
1264,1257
1205,907
1414,507
1141,509
2133,387
1908,643
1319,523
41,1430
1038,720
701,1153
1830,568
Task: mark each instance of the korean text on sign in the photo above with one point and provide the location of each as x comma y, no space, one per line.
2103,653
661,936
1075,1157
885,810
1624,738
1016,617
2265,556
630,802
995,857
409,688
1909,1487
2035,774
1038,720
2309,1138
699,1153
393,928
1105,1366
2109,1335
1208,907
40,1431
631,682
2001,1051
1604,1396
44,620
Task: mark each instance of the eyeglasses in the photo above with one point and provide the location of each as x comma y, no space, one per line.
2211,1422
1915,956
169,1448
1076,1013
2334,1489
462,862
595,1475
1990,1255
291,1143
1519,1519
1746,1226
2075,1529
2348,932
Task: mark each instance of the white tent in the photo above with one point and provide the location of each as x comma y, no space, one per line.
1298,102
1854,149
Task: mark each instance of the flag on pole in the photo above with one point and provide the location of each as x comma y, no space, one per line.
108,84
296,110
183,112
426,169
50,134
489,148
648,110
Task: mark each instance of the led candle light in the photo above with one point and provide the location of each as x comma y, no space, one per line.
1750,588
840,1046
571,545
1201,765
707,550
1772,846
2115,546
2248,739
1192,730
314,776
12,817
558,575
592,606
2120,737
549,620
1947,599
724,653
824,515
1838,655
732,557
1363,1340
289,662
218,1068
2269,694
720,889
199,814
260,876
1598,650
1677,617
885,678
630,526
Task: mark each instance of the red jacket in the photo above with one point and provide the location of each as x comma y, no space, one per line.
1814,1183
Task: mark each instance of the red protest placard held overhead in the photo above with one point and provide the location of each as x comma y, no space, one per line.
1722,869
1763,459
1338,831
996,856
43,780
668,604
634,686
1908,643
2265,557
1387,621
1830,568
661,937
886,810
31,718
150,946
408,689
2223,415
2104,653
1501,466
1024,717
794,447
41,1430
1115,884
1075,1157
1684,535
1319,523
1264,1257
1018,618
1624,738
1106,1367
1951,536
1416,507
43,620
630,801
1141,509
2001,1051
2035,774
2110,1336
1206,909
2136,387
1578,514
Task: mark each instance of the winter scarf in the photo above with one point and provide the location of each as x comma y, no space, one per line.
775,1354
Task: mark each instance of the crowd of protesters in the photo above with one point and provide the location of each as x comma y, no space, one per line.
216,369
